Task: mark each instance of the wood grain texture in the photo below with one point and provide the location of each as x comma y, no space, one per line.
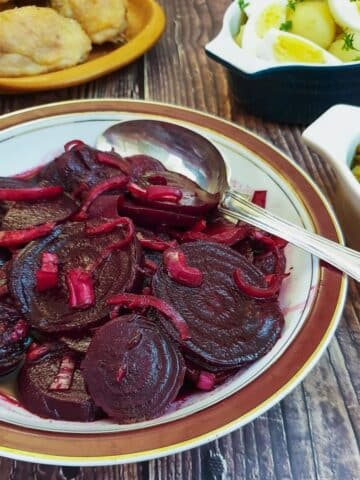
314,433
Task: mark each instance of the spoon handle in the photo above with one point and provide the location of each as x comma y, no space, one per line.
345,259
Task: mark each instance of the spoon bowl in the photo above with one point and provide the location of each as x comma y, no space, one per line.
181,150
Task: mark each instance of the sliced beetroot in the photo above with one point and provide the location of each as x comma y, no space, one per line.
36,384
79,345
50,311
105,206
13,334
32,213
227,328
153,217
15,182
132,370
193,201
141,164
77,166
271,262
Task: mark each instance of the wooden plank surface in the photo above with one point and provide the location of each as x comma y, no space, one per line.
314,432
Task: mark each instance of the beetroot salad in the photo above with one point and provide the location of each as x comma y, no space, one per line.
121,287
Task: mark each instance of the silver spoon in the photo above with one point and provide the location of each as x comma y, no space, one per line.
184,151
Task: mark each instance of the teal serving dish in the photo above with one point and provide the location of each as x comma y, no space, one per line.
286,93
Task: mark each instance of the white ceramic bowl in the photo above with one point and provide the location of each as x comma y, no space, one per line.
290,93
335,136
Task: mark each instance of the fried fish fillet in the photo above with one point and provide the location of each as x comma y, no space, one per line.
102,20
36,40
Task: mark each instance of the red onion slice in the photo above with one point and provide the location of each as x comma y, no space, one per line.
15,238
29,194
63,379
109,184
81,288
178,270
132,301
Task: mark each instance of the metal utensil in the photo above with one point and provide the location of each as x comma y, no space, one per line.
189,153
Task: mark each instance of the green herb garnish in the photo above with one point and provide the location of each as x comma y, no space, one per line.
292,4
348,42
243,4
286,26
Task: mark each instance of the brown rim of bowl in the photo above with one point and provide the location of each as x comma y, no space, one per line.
256,397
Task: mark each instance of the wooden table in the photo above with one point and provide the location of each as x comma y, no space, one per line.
314,432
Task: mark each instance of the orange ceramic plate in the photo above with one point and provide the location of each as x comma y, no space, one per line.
146,24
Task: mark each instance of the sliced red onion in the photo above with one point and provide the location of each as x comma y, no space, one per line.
163,193
47,275
206,381
132,301
272,289
123,221
80,288
178,270
150,265
29,194
64,377
136,191
259,198
108,184
73,144
120,374
36,351
111,160
15,238
155,243
270,242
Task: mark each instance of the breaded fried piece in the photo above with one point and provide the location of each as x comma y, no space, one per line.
36,40
102,20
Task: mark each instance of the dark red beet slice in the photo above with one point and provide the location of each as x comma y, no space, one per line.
79,345
28,214
132,370
271,262
105,206
35,394
76,167
11,182
49,311
194,200
227,328
152,217
140,164
13,334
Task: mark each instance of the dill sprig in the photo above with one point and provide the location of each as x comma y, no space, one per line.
348,44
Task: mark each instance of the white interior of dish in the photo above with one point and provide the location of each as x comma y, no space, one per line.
30,144
335,135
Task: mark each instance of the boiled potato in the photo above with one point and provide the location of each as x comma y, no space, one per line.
313,20
347,46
